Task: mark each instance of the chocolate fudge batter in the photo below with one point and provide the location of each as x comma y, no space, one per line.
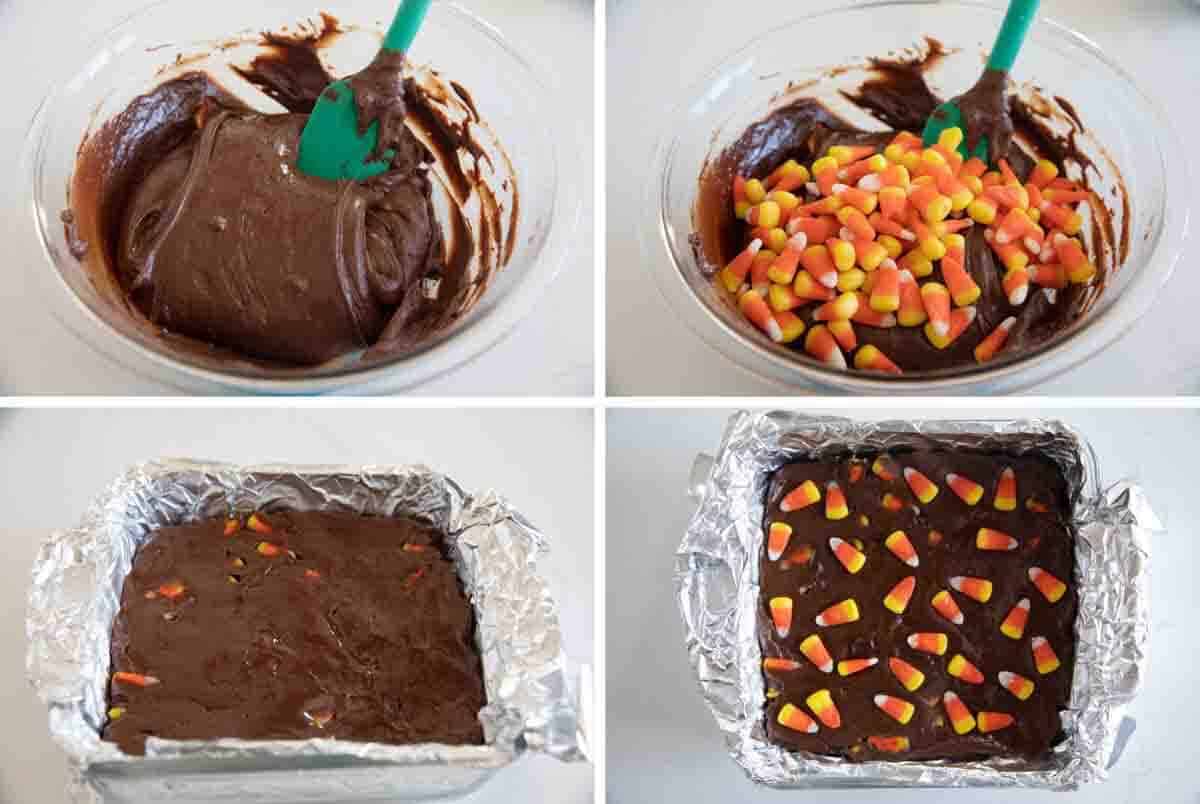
194,203
899,97
819,581
343,627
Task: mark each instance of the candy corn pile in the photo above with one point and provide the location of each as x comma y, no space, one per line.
816,643
876,240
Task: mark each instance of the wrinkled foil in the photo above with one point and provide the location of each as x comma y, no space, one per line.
75,597
717,578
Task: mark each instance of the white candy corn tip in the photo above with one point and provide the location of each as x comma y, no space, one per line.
835,542
957,619
829,280
1035,573
888,321
880,700
888,262
798,241
846,234
912,640
782,632
942,328
1018,296
956,582
755,246
1037,642
836,359
840,188
949,696
820,620
1005,678
1023,604
909,472
906,234
1008,323
773,555
812,188
774,331
827,667
872,662
871,183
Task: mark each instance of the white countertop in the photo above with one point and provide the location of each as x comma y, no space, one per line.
663,744
54,462
549,354
657,48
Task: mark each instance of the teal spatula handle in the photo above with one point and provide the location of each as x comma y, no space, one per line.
1012,34
404,28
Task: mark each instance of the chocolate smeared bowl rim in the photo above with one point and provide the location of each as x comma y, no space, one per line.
684,282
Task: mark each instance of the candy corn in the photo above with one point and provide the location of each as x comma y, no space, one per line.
891,502
755,308
850,558
960,319
889,745
821,704
1006,491
994,721
988,539
838,614
935,538
819,264
788,177
994,342
134,679
842,308
946,606
1051,588
835,502
734,274
814,650
765,215
1013,626
799,557
869,358
848,667
776,665
912,308
885,468
929,643
791,717
902,548
924,488
1016,286
1044,657
978,589
777,539
790,324
1019,686
843,333
936,300
898,709
909,677
963,670
821,344
967,489
960,717
781,615
802,496
855,471
885,296
783,268
962,287
897,600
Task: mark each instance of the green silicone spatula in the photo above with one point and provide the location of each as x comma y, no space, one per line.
332,145
981,112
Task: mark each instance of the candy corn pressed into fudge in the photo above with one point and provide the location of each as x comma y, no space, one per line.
891,237
937,626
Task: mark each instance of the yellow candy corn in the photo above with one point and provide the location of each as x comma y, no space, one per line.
963,670
814,650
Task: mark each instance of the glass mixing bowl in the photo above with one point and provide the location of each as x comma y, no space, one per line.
513,99
1132,129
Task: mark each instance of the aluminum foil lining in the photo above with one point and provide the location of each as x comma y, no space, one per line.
717,578
75,597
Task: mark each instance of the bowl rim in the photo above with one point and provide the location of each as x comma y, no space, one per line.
489,327
1002,375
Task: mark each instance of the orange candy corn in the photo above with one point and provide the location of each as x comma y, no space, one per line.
843,333
988,539
994,721
781,615
902,548
788,177
778,665
967,489
960,717
1044,657
869,317
819,264
994,342
856,470
963,670
134,679
1043,173
850,557
835,502
885,296
842,308
798,557
936,300
790,324
820,344
172,590
889,745
783,268
898,709
912,309
1048,275
777,539
927,642
885,468
755,308
802,496
735,273
893,201
817,230
924,488
1051,588
838,614
869,358
946,606
821,704
961,285
891,502
1019,686
978,589
1013,626
815,651
897,599
960,319
791,717
848,667
1006,491
909,677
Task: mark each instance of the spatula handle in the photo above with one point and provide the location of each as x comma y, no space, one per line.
404,28
1012,34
